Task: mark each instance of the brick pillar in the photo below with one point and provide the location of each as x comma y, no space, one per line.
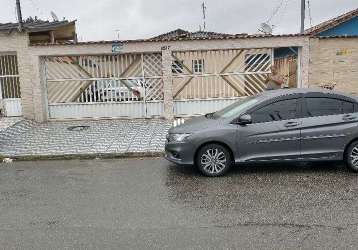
39,90
25,76
32,86
168,83
304,61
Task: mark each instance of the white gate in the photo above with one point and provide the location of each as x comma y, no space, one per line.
10,96
206,81
107,86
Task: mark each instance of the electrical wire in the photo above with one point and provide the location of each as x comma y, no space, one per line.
282,14
275,11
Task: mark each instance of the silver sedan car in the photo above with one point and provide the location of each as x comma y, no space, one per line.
274,126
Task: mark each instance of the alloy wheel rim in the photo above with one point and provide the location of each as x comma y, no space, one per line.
354,157
213,161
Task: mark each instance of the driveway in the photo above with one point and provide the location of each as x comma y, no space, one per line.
152,204
31,140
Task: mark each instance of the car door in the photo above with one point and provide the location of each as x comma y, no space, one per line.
327,125
274,133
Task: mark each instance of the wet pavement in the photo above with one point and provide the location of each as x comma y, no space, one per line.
152,204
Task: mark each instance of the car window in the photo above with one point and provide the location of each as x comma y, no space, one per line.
235,109
327,106
281,110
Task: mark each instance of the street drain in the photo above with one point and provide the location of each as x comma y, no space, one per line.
78,128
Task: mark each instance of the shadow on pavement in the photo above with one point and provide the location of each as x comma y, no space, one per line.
259,168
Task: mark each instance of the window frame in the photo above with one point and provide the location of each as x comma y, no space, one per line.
251,56
178,67
271,102
198,62
338,98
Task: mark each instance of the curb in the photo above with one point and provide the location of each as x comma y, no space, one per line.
84,156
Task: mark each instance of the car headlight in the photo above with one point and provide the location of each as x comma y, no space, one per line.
177,137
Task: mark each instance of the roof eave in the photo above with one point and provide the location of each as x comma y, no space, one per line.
37,29
173,40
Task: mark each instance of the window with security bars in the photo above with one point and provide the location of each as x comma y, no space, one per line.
178,67
257,62
198,66
9,77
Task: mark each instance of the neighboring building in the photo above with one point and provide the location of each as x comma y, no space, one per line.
17,68
40,31
179,73
334,53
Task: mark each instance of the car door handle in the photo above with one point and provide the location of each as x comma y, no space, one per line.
349,118
291,124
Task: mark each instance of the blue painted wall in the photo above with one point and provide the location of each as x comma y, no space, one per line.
349,28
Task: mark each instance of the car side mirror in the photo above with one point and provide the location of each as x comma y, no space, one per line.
244,120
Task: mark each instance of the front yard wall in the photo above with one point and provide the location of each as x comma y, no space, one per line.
33,86
334,60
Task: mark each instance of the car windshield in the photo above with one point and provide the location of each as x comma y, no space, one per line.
235,109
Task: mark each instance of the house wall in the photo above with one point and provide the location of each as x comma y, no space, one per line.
321,61
334,60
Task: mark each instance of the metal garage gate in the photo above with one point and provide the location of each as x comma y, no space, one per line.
105,86
10,95
206,81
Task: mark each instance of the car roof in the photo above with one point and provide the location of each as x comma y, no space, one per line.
282,92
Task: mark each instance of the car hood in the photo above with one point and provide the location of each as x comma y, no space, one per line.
196,124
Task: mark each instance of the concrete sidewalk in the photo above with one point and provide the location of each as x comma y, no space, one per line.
84,139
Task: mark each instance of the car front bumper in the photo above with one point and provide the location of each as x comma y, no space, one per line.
180,153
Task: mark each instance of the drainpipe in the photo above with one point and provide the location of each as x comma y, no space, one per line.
19,15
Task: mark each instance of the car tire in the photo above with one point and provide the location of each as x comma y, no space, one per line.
213,160
351,156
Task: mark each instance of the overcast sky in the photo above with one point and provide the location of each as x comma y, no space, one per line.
99,19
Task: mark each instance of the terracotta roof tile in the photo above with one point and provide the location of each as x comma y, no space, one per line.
180,33
237,36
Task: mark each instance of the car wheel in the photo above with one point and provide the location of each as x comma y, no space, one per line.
352,156
213,160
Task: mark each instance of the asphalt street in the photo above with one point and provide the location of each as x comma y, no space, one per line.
153,204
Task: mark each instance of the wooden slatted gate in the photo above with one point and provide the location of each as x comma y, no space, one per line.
10,95
206,81
106,86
